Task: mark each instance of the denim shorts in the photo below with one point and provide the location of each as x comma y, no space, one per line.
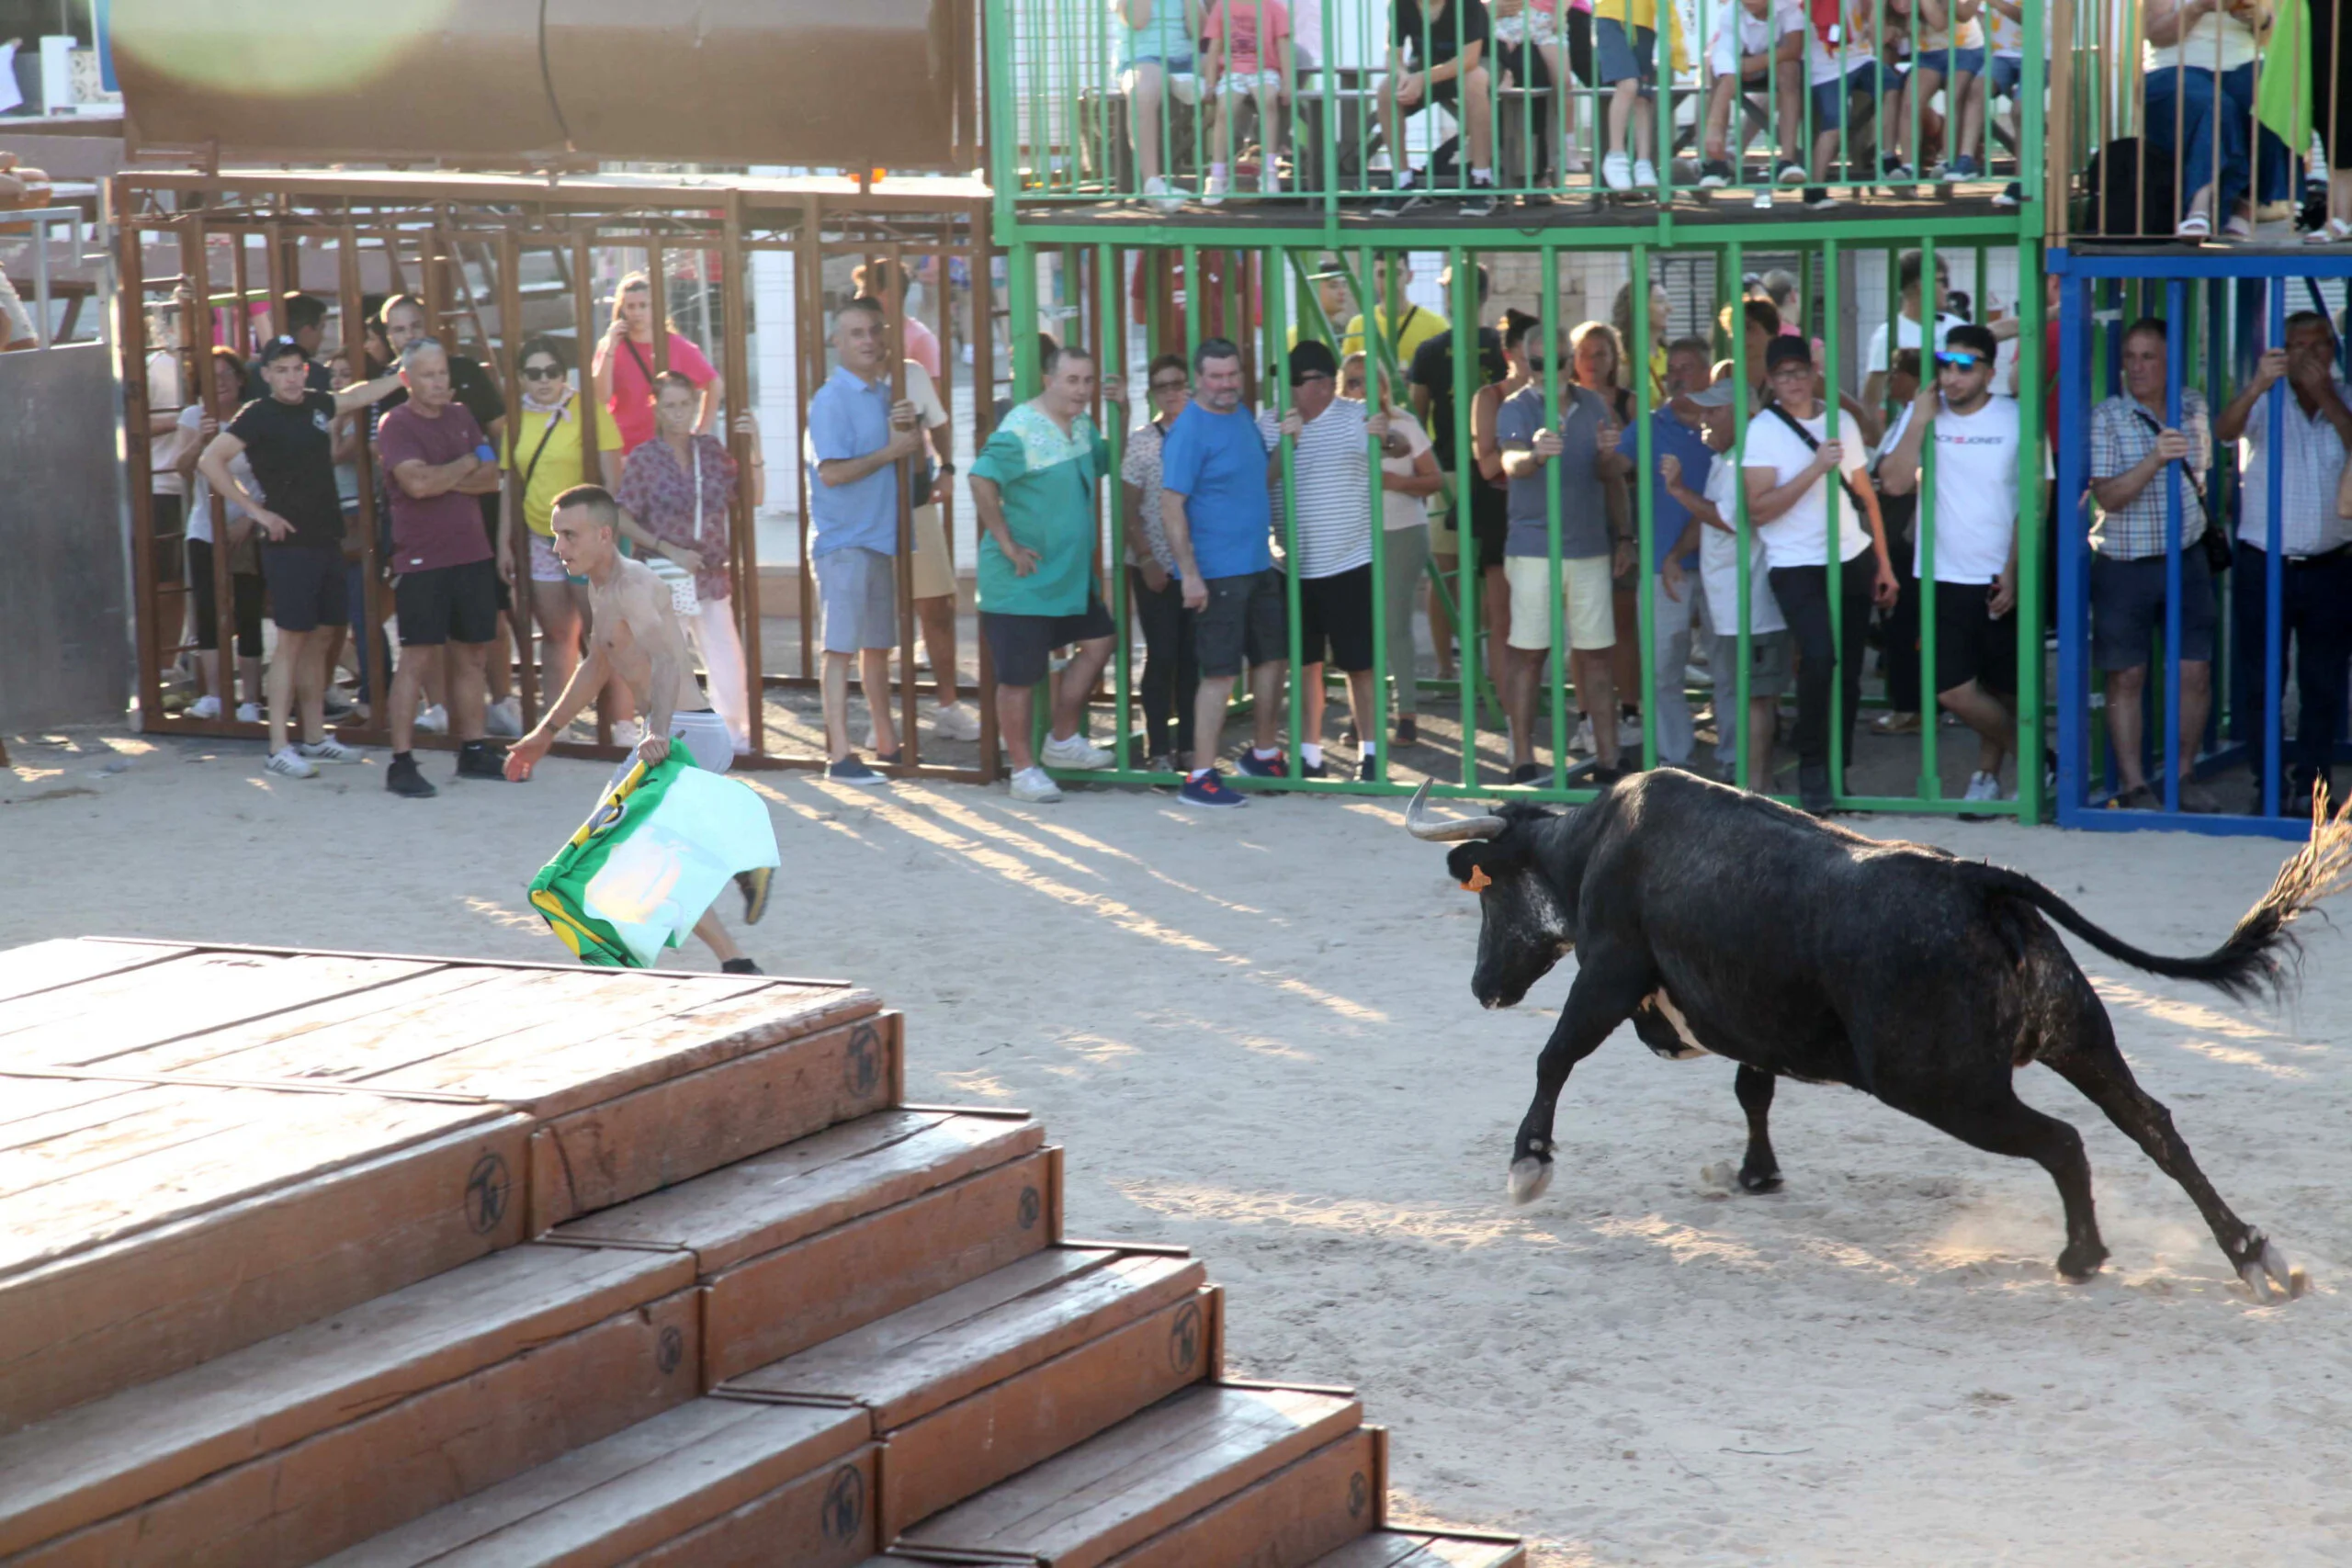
1618,59
1951,62
1874,77
2128,608
2009,75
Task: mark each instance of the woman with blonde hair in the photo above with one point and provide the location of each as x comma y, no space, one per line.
1598,356
625,365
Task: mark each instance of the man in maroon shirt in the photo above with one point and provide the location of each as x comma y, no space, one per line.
444,574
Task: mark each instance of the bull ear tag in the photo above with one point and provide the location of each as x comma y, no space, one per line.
1479,881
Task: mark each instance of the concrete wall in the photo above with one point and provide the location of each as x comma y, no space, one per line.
64,600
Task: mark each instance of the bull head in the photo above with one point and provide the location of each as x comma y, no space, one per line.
1526,920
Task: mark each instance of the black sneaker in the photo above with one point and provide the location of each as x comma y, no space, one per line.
1791,173
1714,173
1313,771
1530,773
404,779
1408,731
1481,201
1818,199
2012,194
754,883
1367,772
740,966
1400,202
851,769
481,759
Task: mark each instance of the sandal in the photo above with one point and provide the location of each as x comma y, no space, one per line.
1896,722
2194,228
2335,231
2237,229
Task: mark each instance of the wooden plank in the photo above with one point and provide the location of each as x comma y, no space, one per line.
99,1020
958,1452
1309,1507
824,1520
1119,1489
782,1301
690,1125
131,1447
164,1298
827,1179
69,961
1419,1548
633,1492
335,1490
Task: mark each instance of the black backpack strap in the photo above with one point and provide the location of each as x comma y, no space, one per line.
1812,445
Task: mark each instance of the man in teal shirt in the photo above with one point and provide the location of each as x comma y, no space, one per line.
1034,486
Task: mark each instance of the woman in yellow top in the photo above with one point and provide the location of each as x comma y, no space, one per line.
543,452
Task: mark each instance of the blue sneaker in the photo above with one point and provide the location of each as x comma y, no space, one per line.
1256,767
1210,789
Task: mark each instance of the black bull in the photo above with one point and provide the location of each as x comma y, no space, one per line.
1721,921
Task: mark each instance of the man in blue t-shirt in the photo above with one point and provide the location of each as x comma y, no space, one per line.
1675,432
1218,514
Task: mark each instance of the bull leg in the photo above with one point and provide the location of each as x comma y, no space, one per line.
2093,1065
1759,1172
1603,996
1997,1122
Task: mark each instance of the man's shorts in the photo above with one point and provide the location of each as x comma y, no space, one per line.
934,574
1874,78
546,565
1335,619
1178,80
1023,645
2128,608
1971,645
1771,664
2008,75
447,604
1951,62
704,738
858,591
1586,583
1618,58
1243,622
305,586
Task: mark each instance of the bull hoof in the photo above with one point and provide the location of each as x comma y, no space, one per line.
2077,1265
1758,1180
2270,1278
1528,1177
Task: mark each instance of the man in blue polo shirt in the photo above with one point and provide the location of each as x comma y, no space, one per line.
857,438
1675,432
1219,519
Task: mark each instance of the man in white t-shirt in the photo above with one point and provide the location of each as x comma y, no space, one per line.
1907,325
1406,482
1793,448
1968,547
1331,482
934,574
1713,530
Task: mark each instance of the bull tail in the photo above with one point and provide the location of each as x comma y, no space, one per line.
2259,957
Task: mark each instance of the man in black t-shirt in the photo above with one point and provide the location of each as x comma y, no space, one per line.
306,323
288,439
1437,55
1431,375
404,322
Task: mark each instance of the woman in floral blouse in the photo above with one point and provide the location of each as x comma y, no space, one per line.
677,495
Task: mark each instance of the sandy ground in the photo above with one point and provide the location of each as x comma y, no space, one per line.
1254,1034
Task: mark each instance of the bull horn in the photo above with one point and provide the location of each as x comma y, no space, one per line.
1419,822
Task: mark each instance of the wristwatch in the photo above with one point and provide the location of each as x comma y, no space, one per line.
946,468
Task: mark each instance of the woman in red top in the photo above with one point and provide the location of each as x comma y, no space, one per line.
625,367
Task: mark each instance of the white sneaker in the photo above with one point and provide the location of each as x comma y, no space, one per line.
292,764
1617,172
1162,195
249,713
504,719
434,720
1212,189
1629,732
625,732
1269,180
1075,752
955,722
329,750
1644,174
1982,786
1032,784
206,707
1583,742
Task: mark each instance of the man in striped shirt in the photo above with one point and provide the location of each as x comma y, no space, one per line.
1331,474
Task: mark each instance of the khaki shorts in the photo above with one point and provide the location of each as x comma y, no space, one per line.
934,573
1585,583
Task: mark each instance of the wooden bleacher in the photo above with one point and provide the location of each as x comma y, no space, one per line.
390,1262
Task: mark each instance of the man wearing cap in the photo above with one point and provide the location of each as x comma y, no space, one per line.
1794,444
1331,486
1414,326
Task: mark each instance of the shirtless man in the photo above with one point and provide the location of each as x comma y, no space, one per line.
635,638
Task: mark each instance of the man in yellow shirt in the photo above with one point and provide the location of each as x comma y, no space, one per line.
1415,325
543,450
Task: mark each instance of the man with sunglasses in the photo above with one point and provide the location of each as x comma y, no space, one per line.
1974,534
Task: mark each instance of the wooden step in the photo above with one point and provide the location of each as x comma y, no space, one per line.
338,1487
986,1379
1164,1485
846,1227
712,1483
200,1148
1422,1549
117,1453
1304,1510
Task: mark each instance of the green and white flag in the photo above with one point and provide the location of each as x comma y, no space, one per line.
660,847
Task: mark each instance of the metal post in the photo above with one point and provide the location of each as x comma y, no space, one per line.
1833,556
511,508
743,539
131,315
370,610
1464,323
1277,322
1378,732
2175,355
1931,785
1645,475
1547,312
2274,564
591,470
1743,541
2031,522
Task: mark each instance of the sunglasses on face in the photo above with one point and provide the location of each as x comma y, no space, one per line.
1958,361
542,373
